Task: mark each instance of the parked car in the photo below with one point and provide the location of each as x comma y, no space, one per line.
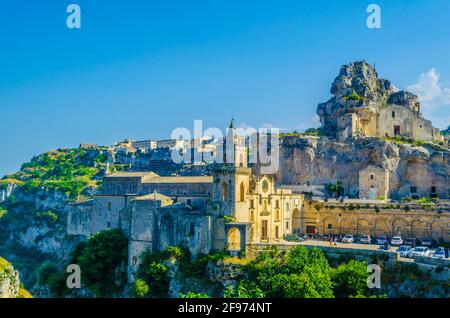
326,237
348,239
385,246
397,241
365,239
441,253
382,240
293,238
405,251
430,243
413,242
421,251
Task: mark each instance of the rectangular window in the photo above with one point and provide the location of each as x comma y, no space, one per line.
287,226
109,206
189,202
330,226
192,229
264,230
276,232
413,190
433,190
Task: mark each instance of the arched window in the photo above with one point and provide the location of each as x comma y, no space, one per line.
242,192
224,191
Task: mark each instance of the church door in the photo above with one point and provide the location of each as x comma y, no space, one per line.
396,130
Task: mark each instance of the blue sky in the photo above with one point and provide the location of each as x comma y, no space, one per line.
139,69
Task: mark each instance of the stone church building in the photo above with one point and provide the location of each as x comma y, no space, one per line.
230,209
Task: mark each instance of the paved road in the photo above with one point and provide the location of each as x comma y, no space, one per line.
352,246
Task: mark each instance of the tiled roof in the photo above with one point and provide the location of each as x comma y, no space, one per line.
132,174
152,196
177,179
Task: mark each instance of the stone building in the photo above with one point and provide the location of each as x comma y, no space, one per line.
374,183
364,105
230,209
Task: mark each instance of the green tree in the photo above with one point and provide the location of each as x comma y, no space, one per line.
100,262
350,279
140,288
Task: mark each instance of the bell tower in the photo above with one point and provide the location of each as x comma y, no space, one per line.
231,177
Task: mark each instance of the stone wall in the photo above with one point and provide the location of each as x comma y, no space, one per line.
319,161
389,219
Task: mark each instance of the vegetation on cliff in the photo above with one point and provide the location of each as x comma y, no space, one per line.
33,205
299,273
102,260
70,171
10,285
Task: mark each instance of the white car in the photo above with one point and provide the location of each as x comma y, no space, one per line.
396,241
405,251
365,239
440,253
348,239
421,251
382,240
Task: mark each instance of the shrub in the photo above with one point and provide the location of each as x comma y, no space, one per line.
47,216
194,295
350,279
174,251
140,288
100,260
45,271
3,212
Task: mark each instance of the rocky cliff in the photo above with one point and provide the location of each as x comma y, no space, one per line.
321,160
358,89
35,201
10,286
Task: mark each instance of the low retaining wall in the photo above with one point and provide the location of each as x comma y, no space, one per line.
361,254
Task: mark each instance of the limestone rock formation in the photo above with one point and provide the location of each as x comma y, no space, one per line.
364,105
10,282
405,99
320,161
356,88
